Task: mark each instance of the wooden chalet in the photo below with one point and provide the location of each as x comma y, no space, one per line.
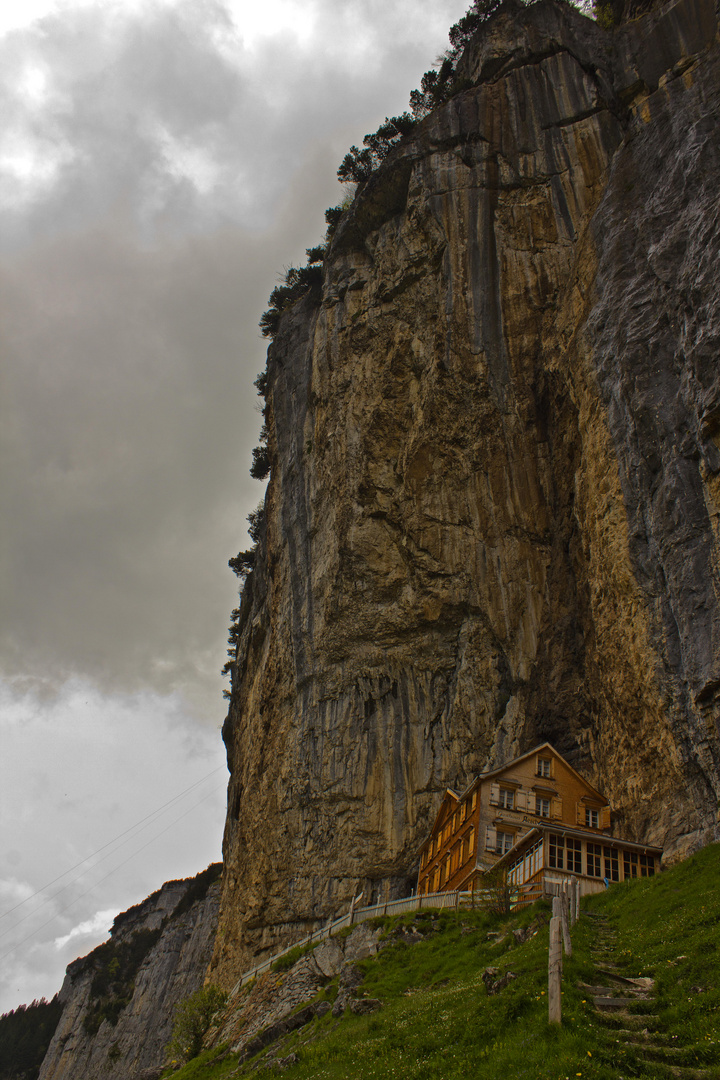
538,818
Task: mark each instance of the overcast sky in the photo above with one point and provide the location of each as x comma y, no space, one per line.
160,163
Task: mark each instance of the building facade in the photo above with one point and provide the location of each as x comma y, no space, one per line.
546,857
538,793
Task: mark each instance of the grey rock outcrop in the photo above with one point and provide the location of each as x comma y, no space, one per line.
175,929
493,513
262,1011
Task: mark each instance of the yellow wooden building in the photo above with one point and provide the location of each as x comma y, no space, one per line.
540,819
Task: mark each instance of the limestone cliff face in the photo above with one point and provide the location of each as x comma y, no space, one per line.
493,511
171,935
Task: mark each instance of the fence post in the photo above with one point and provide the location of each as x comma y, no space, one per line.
567,941
554,972
352,910
560,911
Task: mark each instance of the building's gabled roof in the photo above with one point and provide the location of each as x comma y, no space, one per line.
494,773
451,799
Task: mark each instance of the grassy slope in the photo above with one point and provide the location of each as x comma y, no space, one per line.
437,1020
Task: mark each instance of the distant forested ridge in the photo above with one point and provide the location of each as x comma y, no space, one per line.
25,1035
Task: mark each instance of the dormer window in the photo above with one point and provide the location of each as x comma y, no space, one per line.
543,767
506,798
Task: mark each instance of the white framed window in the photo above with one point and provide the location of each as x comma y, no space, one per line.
542,806
543,767
557,851
592,859
503,842
612,870
647,866
506,798
573,851
592,818
630,864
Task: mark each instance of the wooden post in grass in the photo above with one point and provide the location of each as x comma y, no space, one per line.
554,972
560,911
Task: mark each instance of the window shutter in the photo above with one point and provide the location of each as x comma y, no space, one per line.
494,794
520,800
580,814
490,838
556,808
605,817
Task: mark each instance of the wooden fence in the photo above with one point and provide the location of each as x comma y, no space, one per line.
525,894
362,914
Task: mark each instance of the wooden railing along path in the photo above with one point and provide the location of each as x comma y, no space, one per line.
524,895
362,914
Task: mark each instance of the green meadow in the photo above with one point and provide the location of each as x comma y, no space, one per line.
438,1022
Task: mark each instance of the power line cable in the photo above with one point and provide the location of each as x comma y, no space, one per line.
113,871
138,829
131,828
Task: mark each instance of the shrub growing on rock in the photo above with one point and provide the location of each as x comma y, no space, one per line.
192,1021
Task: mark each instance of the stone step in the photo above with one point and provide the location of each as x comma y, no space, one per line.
683,1072
618,993
640,982
640,1038
605,1003
669,1055
622,986
631,1021
653,1066
639,992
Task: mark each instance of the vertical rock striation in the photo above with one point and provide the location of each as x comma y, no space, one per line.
493,511
119,1000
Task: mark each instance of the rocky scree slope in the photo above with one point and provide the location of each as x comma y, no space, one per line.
492,517
119,1000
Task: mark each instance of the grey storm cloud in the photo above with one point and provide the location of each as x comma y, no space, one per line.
158,168
173,172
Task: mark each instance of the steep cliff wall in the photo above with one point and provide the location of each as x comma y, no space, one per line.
492,517
119,1000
